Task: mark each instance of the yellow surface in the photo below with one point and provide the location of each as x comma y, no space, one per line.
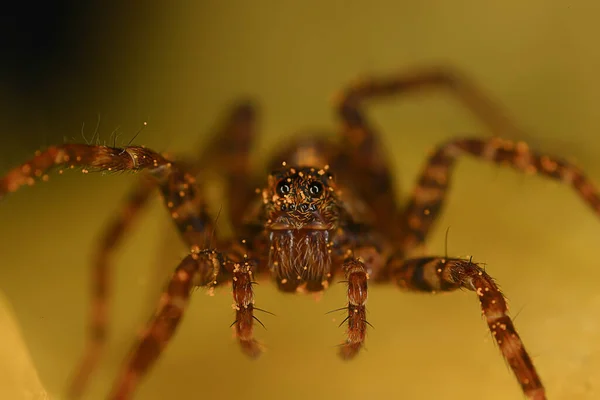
18,377
178,68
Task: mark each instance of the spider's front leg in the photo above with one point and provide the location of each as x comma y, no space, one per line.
231,142
103,158
88,157
206,268
437,274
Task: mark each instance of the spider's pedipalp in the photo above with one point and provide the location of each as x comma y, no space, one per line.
243,298
433,274
356,277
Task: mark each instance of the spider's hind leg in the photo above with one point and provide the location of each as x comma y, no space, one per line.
228,153
362,154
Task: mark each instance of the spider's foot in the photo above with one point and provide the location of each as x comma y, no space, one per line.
536,394
251,348
349,350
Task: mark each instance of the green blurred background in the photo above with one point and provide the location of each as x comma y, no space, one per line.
179,66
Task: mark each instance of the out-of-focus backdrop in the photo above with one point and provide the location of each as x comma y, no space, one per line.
70,66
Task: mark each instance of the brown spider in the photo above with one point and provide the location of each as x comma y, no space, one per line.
305,226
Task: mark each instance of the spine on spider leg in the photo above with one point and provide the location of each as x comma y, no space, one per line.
89,157
243,298
440,274
198,269
356,277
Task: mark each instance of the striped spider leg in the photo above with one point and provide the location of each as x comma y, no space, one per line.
409,228
238,128
187,207
439,274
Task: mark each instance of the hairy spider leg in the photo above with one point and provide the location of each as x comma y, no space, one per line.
189,215
239,127
362,150
179,190
103,158
101,279
188,210
439,274
428,197
412,225
203,267
88,157
200,268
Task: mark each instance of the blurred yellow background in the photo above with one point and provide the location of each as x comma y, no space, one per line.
179,67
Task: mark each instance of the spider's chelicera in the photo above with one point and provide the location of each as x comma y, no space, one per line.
305,225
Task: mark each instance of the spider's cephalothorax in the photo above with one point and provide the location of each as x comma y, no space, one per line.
302,211
306,229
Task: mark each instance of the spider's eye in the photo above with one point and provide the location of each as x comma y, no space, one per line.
315,189
283,188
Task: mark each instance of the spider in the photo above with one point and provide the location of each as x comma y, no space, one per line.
328,209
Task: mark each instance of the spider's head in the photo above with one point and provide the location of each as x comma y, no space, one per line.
302,210
301,199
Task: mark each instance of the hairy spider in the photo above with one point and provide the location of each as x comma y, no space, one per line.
305,226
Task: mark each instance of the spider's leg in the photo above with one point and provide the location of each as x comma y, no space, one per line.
228,153
362,153
87,157
180,193
356,277
200,268
101,279
233,137
428,197
188,211
437,274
